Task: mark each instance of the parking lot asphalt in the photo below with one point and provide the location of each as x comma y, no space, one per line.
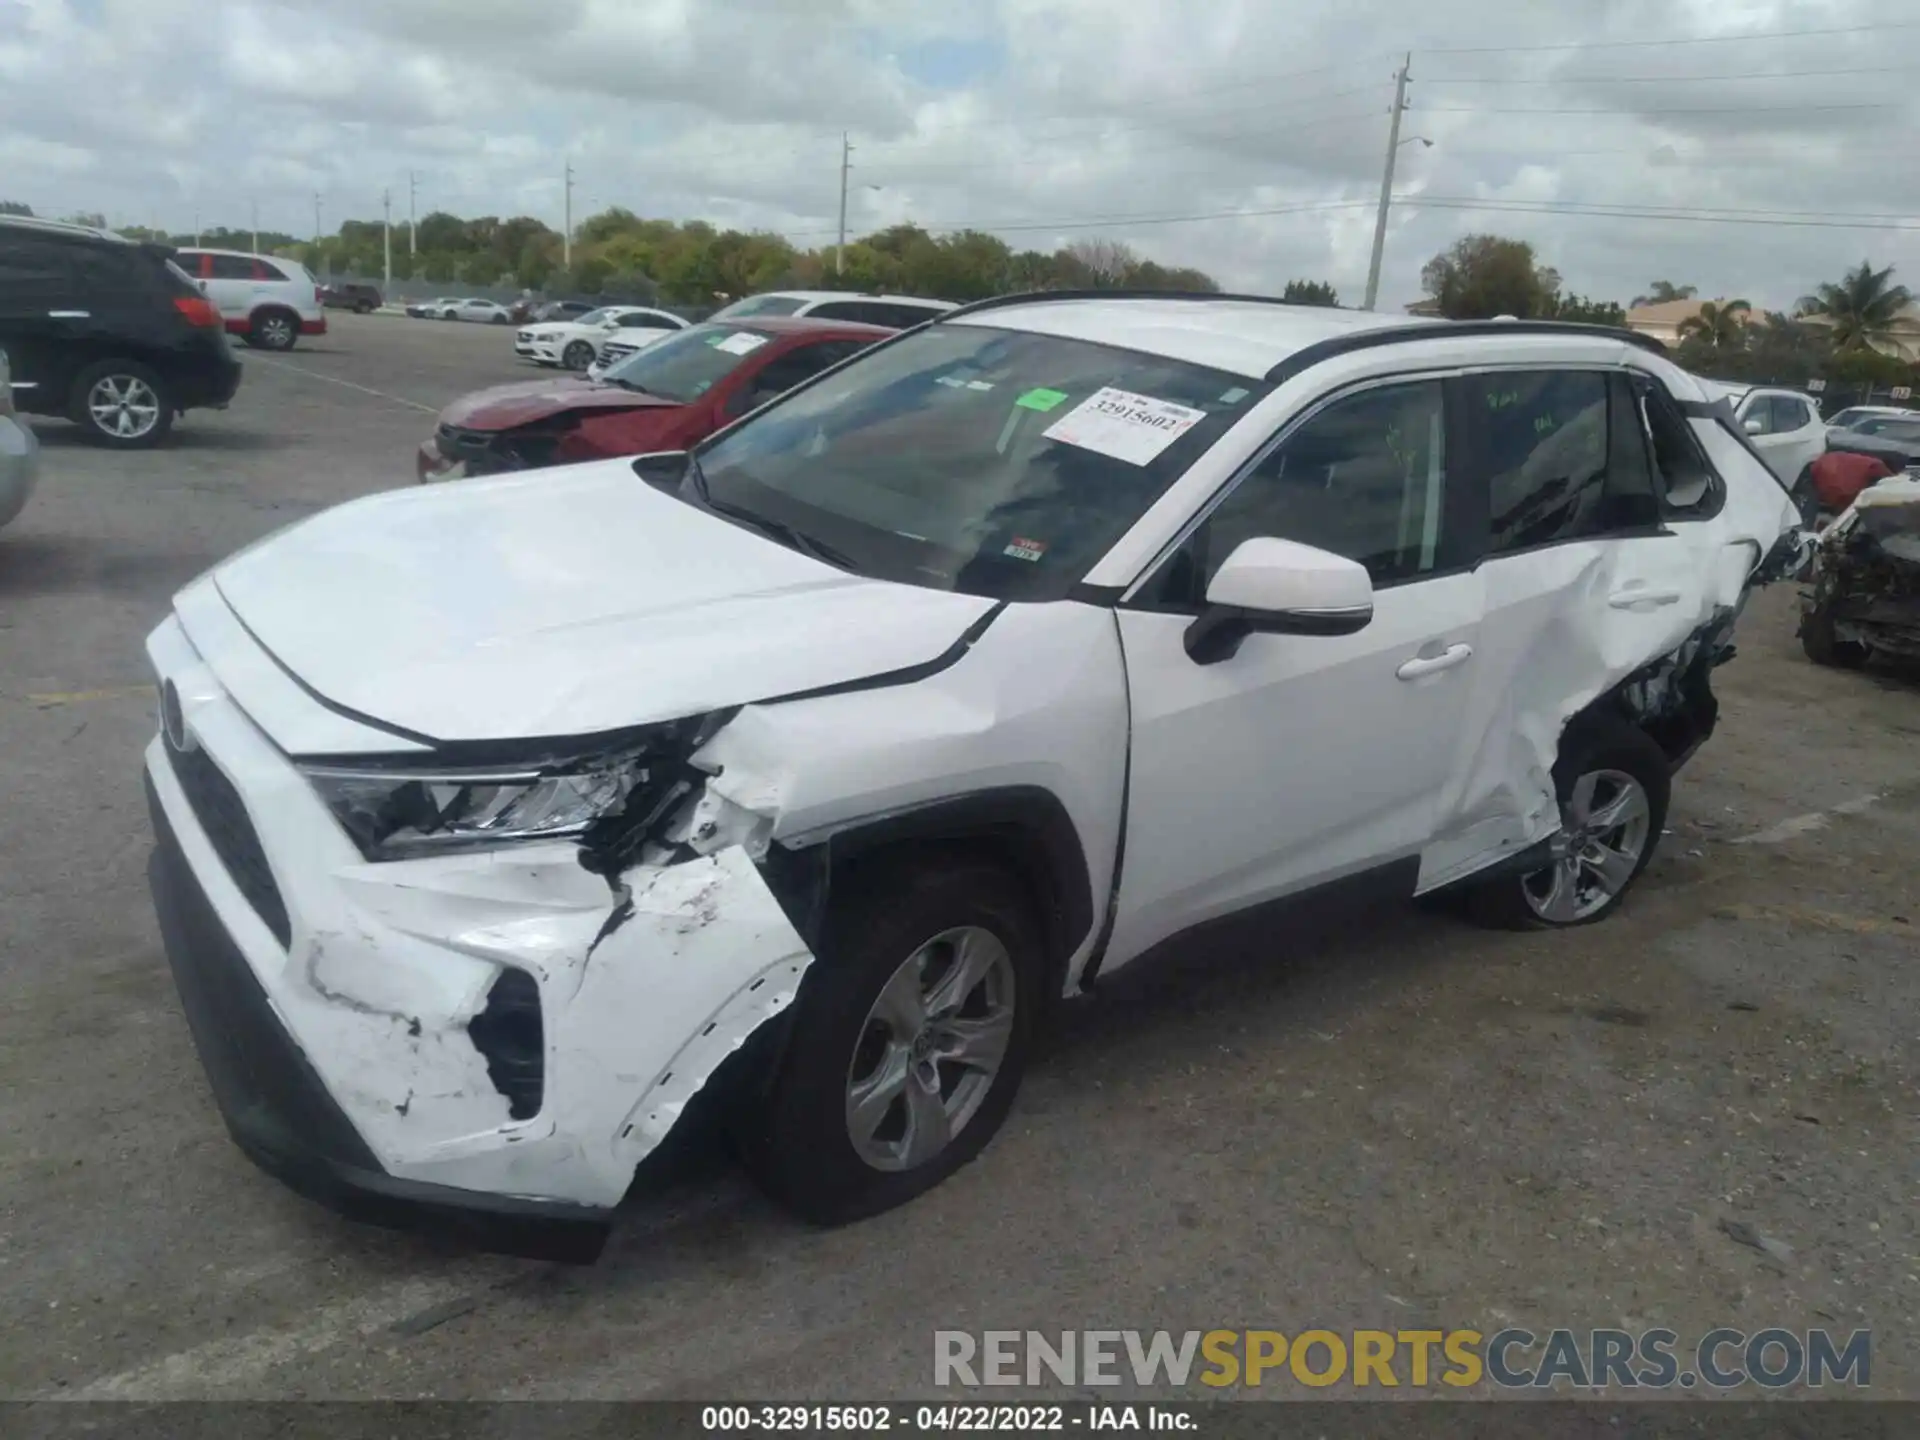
1703,1112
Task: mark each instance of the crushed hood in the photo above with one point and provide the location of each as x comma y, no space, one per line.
504,406
564,602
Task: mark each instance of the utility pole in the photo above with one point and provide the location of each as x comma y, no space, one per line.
197,232
413,214
386,239
1386,182
256,227
566,239
840,246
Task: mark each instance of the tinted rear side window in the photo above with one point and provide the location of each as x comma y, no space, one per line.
32,270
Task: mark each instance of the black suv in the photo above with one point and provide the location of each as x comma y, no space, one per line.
107,332
361,299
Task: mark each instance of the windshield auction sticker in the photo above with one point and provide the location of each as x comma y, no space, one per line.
741,342
1126,426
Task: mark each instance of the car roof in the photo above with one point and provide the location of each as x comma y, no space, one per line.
815,297
1247,336
63,227
811,325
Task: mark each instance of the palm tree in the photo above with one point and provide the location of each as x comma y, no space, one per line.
1862,308
1663,291
1719,325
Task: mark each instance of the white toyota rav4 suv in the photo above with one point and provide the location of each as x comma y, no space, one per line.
803,773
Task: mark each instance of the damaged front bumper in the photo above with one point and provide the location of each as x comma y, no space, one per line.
487,1042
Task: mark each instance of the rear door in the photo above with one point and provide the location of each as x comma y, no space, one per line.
38,297
232,283
1584,583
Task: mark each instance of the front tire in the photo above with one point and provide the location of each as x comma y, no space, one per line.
1613,784
577,356
1822,645
122,404
909,1040
273,330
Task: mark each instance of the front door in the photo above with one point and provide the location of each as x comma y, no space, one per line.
1302,760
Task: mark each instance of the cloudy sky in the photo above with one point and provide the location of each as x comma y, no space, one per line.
1242,136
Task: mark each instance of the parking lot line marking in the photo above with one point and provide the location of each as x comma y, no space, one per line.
350,385
1795,826
75,697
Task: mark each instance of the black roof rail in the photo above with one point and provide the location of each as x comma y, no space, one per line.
1310,355
1032,297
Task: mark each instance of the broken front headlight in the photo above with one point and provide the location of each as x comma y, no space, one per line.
394,815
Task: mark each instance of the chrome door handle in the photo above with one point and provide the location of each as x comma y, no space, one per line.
1433,664
1633,597
69,314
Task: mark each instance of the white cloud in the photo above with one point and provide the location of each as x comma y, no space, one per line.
1024,115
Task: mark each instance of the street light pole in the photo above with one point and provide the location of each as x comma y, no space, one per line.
386,239
566,240
1386,183
840,246
413,214
256,227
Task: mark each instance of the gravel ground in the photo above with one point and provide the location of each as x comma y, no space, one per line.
1701,1113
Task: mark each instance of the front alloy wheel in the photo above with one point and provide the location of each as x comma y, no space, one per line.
930,1049
908,1040
1603,833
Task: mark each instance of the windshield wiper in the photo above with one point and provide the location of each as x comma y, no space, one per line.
773,529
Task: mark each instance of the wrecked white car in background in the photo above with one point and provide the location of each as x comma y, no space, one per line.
807,770
1864,599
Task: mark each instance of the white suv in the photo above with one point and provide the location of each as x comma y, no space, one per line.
268,300
804,772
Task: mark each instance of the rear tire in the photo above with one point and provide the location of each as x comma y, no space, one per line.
273,329
891,1079
122,404
1823,647
1622,780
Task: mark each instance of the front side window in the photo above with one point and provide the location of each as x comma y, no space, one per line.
687,364
969,458
594,317
1365,478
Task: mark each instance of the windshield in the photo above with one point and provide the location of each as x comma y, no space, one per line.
967,458
689,362
760,305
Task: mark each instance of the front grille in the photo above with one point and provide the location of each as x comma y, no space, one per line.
223,816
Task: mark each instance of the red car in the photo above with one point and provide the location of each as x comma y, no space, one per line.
665,397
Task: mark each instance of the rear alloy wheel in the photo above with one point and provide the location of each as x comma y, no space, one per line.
273,330
577,356
908,1040
1613,784
123,404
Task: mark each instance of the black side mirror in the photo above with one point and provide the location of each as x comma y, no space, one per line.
662,469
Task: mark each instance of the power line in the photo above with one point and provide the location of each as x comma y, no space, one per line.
1569,209
1566,79
1680,110
1092,223
1670,40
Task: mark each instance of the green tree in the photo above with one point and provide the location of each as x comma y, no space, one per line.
1861,309
1720,325
1310,292
14,207
1664,291
439,266
1485,276
445,233
1583,311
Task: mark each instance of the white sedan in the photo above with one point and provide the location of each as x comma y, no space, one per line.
576,344
480,312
